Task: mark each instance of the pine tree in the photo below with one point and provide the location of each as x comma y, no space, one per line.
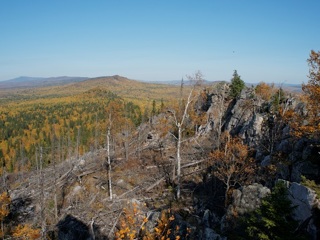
236,85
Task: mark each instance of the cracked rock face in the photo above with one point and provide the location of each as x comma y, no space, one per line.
304,199
248,198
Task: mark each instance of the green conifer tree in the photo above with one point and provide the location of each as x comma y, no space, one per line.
237,84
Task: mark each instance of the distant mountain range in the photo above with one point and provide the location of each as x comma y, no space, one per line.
185,82
287,86
31,82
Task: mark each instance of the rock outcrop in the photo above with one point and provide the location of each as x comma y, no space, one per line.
248,198
305,202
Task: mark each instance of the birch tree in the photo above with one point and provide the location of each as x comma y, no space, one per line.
179,120
108,155
112,125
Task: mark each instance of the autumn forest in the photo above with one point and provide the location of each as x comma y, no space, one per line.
115,158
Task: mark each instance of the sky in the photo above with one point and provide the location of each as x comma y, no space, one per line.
153,40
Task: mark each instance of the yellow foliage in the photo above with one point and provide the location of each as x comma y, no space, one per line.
26,232
4,205
309,125
4,208
130,222
264,91
165,229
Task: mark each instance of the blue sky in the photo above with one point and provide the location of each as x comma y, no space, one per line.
159,40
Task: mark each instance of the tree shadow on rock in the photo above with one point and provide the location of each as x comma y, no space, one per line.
70,228
210,195
21,209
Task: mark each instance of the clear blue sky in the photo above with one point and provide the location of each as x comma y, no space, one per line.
159,40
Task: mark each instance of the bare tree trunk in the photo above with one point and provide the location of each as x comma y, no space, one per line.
179,161
180,124
108,142
109,163
92,230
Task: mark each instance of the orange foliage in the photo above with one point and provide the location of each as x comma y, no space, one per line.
309,125
264,91
165,229
312,92
231,163
26,232
130,222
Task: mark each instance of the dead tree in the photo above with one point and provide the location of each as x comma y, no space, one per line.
108,156
180,123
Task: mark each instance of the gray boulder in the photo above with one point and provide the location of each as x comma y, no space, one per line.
304,200
247,199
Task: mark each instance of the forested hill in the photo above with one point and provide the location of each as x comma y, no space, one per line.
131,90
31,117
